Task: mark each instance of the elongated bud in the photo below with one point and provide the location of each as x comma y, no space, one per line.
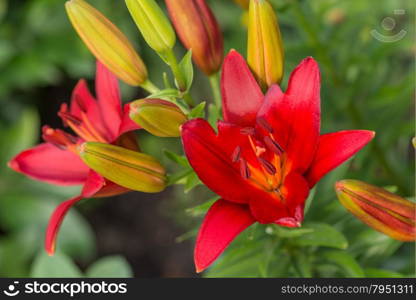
159,117
153,24
130,169
265,53
198,30
243,3
108,44
379,209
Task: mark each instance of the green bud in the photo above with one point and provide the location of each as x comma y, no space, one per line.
130,169
153,24
159,117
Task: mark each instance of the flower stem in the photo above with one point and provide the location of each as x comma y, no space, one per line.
177,73
214,82
149,86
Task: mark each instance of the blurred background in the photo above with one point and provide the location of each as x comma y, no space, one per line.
366,52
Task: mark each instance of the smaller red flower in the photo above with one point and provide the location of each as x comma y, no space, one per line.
267,155
57,162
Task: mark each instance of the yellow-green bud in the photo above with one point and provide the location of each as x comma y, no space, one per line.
379,209
265,53
130,169
108,44
159,117
153,24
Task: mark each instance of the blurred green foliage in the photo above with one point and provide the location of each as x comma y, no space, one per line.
366,84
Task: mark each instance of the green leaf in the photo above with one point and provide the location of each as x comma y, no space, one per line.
198,111
187,69
345,261
379,273
191,181
285,232
110,267
201,209
57,266
166,94
179,159
322,235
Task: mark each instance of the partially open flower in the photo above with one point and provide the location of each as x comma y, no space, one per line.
159,117
198,30
379,209
108,44
153,24
265,53
130,169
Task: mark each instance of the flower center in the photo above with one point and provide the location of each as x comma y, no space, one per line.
81,126
267,172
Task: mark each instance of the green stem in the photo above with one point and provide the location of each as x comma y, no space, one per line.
177,73
149,86
214,82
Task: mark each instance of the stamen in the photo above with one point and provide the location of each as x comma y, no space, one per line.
236,154
248,131
265,125
244,170
273,145
58,138
267,166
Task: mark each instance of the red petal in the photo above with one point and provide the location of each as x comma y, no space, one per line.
127,124
94,183
295,116
223,222
211,158
55,223
334,149
109,100
47,163
241,95
83,101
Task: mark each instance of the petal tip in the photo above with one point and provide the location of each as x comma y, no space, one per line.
14,165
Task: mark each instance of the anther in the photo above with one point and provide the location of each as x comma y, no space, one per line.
267,166
273,145
235,157
248,131
265,125
244,170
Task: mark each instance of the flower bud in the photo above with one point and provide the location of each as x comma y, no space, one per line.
130,169
198,30
153,24
159,117
379,209
108,44
265,53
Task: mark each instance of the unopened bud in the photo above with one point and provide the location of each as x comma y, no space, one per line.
130,169
198,30
108,44
153,24
159,117
265,54
379,209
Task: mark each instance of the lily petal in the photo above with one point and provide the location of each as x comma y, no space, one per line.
241,95
334,149
50,164
109,100
82,102
55,223
295,116
126,123
223,222
211,158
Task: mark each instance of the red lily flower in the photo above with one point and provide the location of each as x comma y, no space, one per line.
57,162
267,155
